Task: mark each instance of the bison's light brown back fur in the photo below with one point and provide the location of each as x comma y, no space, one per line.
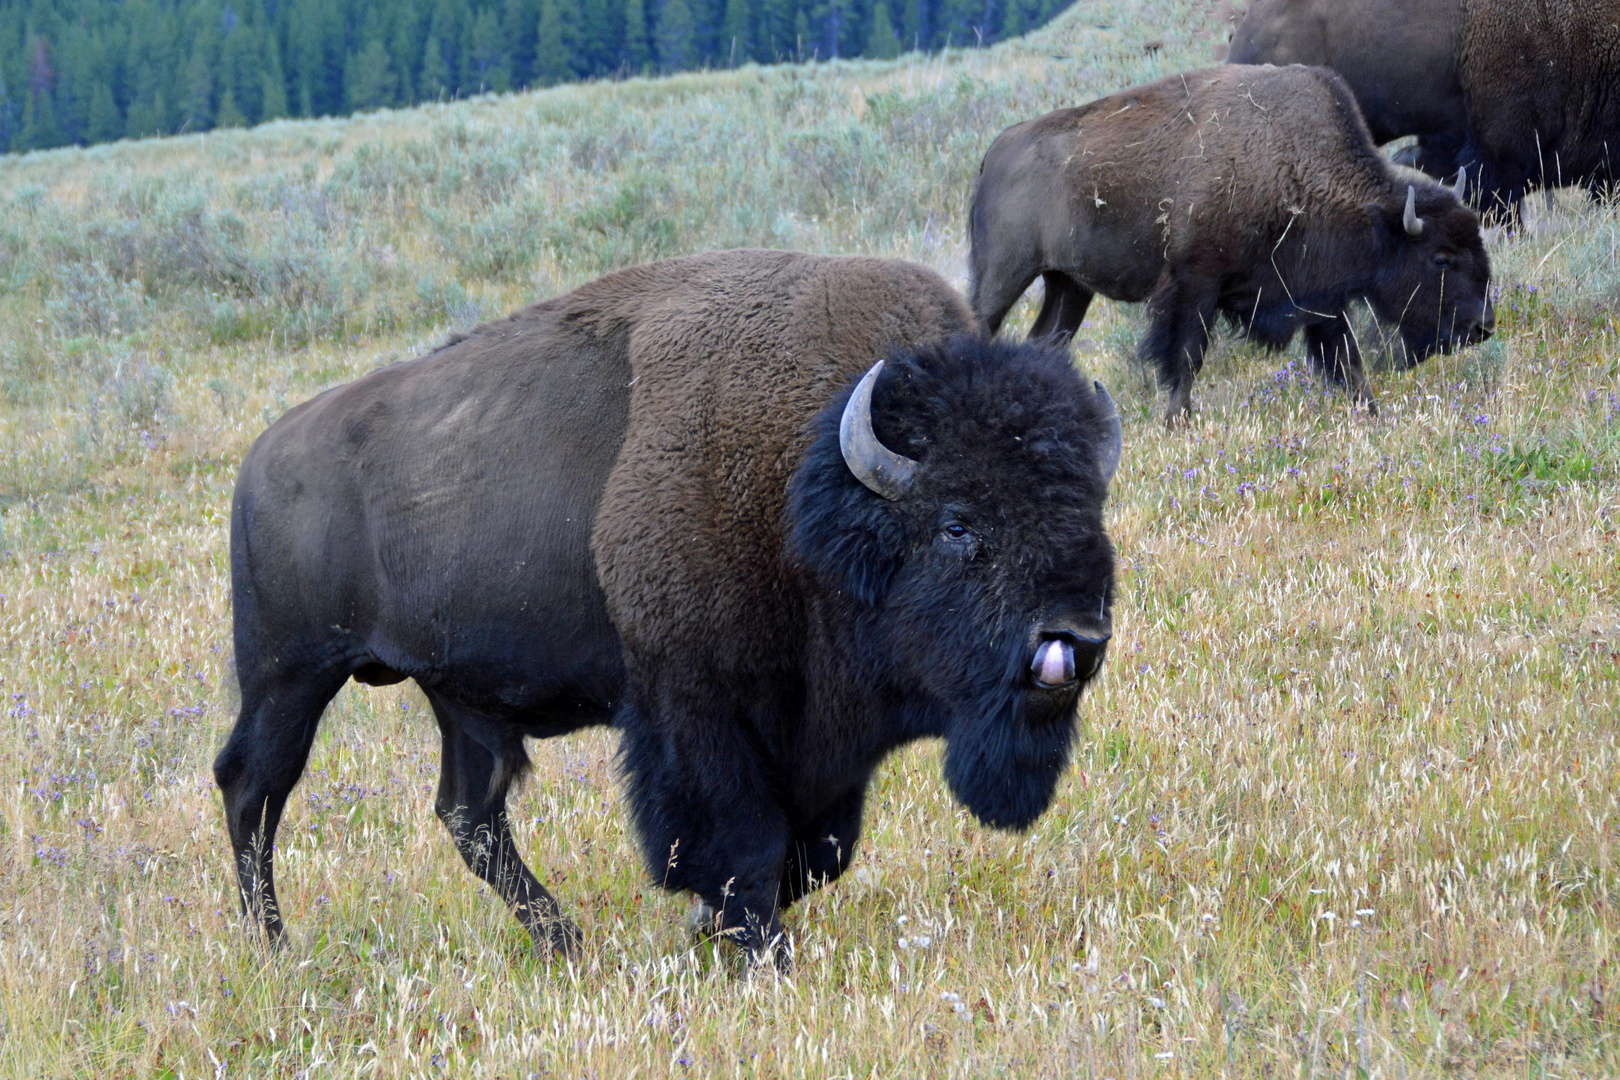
727,373
1211,165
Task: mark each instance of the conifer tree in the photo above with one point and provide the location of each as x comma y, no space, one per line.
914,32
228,115
881,43
369,77
306,57
273,91
75,63
483,53
40,129
199,88
435,80
637,55
105,123
1013,24
6,112
451,22
775,42
552,64
675,35
735,36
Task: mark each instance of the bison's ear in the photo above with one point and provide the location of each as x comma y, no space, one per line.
847,537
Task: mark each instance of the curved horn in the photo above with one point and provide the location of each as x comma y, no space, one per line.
875,465
1108,454
1413,223
1460,188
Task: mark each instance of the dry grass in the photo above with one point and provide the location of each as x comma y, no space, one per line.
1347,794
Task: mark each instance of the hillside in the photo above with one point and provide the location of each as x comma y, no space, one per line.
1344,797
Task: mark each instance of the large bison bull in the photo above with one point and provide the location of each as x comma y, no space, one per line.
671,500
1511,93
1252,193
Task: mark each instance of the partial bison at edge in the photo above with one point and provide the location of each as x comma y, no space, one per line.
1511,93
773,515
1250,193
1399,58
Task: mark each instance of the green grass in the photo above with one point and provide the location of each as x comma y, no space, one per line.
1345,797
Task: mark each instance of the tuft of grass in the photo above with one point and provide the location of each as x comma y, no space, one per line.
1344,802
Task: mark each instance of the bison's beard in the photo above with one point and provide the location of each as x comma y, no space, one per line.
1003,761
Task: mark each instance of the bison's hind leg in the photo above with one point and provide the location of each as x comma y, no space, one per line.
473,783
256,771
996,291
1062,310
1181,315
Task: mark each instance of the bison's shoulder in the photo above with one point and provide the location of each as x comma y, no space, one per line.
725,382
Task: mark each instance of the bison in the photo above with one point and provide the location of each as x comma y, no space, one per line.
772,515
1508,93
1399,58
1253,193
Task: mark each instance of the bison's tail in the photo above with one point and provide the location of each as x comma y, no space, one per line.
244,603
977,230
512,764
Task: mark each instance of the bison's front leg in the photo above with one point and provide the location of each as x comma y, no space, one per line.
707,819
1332,349
822,850
472,804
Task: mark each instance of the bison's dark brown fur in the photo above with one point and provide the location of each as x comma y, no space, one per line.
1399,58
1253,193
1516,93
1542,83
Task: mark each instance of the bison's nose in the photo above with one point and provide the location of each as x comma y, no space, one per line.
1060,661
1487,325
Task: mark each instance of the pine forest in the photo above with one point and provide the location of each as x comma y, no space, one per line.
89,71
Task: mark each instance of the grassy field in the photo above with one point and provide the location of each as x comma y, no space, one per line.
1346,801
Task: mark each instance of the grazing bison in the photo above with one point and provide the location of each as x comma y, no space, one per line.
672,501
1254,193
1512,93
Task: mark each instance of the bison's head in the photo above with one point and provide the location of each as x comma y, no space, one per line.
1433,275
950,511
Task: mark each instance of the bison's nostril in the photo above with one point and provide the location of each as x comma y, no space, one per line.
1054,662
1088,655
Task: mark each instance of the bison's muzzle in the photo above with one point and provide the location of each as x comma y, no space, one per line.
1063,659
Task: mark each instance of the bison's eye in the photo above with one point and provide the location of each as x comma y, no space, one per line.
1443,262
957,538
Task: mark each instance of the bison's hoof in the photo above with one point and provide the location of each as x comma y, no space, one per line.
559,937
780,953
700,921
